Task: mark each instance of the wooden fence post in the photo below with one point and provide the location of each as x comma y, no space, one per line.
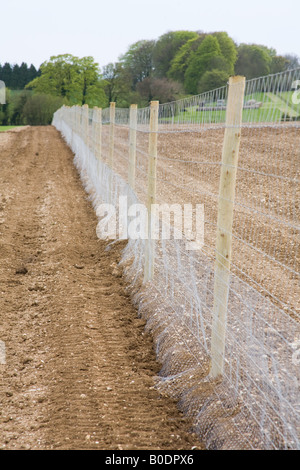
99,134
225,220
150,243
77,111
132,145
112,115
95,131
73,118
86,125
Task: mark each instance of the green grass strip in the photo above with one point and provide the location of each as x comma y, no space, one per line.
6,128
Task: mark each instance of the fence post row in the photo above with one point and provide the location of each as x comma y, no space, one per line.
151,197
254,360
112,114
132,145
225,220
86,135
99,134
94,127
225,202
96,130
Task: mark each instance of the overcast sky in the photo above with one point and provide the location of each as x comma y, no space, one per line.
33,30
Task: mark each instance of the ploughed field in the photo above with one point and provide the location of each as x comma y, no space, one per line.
79,368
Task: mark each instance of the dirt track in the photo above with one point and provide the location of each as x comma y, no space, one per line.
79,366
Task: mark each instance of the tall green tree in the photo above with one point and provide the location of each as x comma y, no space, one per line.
18,102
39,108
201,54
278,64
67,76
205,58
118,84
17,76
6,74
212,79
57,76
228,51
166,48
138,61
89,83
161,89
253,61
6,110
180,62
32,73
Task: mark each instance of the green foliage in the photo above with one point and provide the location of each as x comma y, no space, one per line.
64,79
6,128
166,48
77,80
39,109
161,89
181,60
202,60
117,83
278,64
25,107
6,110
228,51
17,76
253,61
212,79
19,99
138,61
206,52
176,64
56,76
96,96
185,57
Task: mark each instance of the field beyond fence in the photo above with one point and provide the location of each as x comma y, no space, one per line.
224,315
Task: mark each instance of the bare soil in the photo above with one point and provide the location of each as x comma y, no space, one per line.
266,212
80,368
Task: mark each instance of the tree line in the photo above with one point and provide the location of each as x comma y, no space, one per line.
182,63
177,64
17,76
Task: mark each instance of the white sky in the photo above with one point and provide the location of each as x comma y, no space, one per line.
33,30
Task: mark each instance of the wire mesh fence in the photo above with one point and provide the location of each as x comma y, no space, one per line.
254,402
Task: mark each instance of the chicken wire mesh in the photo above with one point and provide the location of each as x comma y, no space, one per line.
255,403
